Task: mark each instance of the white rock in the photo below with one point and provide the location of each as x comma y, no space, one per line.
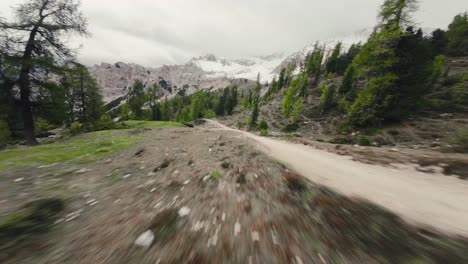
321,258
151,173
237,228
298,260
108,161
186,182
255,236
91,201
184,211
176,172
223,217
126,176
198,226
83,170
152,190
145,239
274,237
19,180
206,178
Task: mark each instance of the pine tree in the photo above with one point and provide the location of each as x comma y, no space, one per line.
458,36
255,104
152,95
333,60
232,100
313,64
385,61
136,99
37,32
349,80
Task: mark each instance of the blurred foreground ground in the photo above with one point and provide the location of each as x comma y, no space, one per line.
207,196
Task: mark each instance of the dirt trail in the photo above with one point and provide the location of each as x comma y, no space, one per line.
431,200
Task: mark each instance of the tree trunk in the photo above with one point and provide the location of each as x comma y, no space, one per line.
83,102
28,120
25,91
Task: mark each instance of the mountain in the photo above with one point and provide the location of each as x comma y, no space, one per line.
247,68
207,72
202,73
116,79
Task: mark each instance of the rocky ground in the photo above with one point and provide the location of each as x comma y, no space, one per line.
196,195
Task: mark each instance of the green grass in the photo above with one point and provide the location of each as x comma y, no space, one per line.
216,175
83,148
151,124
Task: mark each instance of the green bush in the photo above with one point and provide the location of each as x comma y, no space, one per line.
263,125
4,133
342,140
291,128
76,128
363,140
343,106
460,141
264,132
105,123
42,126
209,114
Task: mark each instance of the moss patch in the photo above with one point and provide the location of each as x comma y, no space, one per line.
32,219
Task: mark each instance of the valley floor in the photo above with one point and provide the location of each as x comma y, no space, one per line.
209,195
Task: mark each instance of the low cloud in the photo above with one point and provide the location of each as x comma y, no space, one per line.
157,32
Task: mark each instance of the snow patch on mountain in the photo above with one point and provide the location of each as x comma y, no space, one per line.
247,68
299,57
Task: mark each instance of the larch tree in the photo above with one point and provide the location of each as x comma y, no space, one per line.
36,38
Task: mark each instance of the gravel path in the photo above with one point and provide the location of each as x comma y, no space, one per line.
427,199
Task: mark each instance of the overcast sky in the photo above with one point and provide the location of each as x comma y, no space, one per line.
157,32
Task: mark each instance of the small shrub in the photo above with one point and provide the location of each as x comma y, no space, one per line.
372,131
460,141
240,124
166,162
215,175
263,125
363,140
105,123
381,141
76,128
264,132
291,127
344,128
343,105
342,140
393,132
294,181
42,126
4,133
